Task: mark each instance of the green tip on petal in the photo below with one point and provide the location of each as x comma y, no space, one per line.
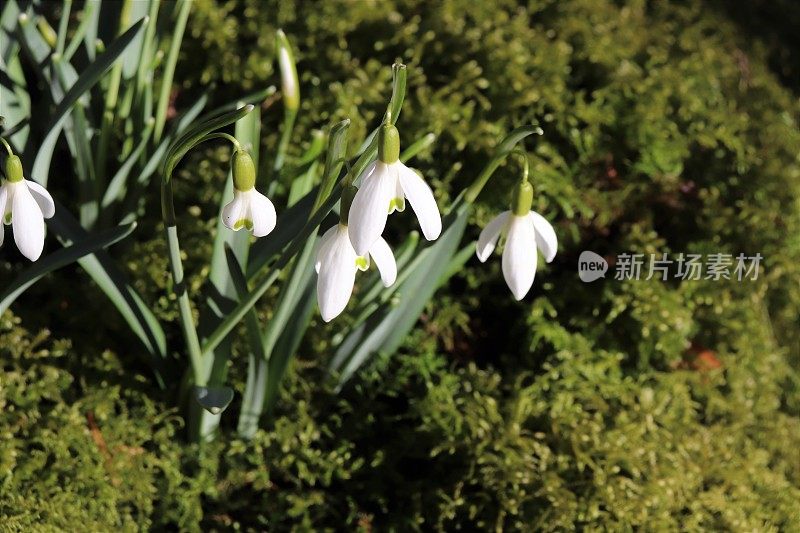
397,204
243,223
362,263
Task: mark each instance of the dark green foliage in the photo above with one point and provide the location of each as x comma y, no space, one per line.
613,405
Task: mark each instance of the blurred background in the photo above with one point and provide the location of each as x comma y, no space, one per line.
668,127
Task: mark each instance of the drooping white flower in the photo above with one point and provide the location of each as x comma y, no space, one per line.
24,204
337,263
524,234
385,185
249,208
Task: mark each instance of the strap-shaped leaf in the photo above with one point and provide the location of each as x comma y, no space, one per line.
505,147
385,330
195,135
113,282
60,258
387,326
85,81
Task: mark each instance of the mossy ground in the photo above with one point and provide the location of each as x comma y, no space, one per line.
614,405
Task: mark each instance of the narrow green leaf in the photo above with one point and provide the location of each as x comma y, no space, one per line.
385,330
502,151
60,258
85,81
183,7
105,272
194,135
369,149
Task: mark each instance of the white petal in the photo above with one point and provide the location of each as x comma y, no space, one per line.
420,196
487,240
367,172
43,198
27,222
384,260
337,275
235,211
367,217
323,246
262,213
545,236
3,201
398,201
9,198
519,256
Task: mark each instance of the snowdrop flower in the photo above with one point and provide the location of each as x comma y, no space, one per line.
24,204
385,185
249,208
525,231
337,263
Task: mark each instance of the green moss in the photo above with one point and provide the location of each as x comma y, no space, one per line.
587,406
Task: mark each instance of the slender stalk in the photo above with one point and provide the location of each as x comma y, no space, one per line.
8,146
184,306
169,69
62,26
112,95
236,315
80,31
505,148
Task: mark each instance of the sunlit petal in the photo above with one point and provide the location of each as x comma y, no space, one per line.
370,208
519,256
262,213
3,202
420,196
27,222
234,211
489,236
43,198
337,276
384,260
323,246
545,236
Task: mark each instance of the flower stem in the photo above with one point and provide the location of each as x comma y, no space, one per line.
8,146
504,149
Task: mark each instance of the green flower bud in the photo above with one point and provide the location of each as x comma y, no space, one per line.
47,32
290,86
13,169
388,144
522,199
244,171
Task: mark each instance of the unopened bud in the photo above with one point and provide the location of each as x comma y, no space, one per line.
290,86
